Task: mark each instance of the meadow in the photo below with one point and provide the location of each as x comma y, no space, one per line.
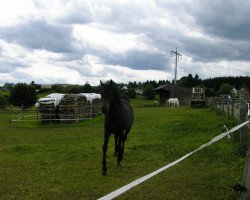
63,161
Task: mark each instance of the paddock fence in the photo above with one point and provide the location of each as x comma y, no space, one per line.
51,114
233,108
239,108
142,179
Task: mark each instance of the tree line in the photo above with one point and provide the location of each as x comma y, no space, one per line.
25,95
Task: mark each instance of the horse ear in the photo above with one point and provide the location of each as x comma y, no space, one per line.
101,83
111,82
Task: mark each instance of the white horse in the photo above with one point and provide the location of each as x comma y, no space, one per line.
172,102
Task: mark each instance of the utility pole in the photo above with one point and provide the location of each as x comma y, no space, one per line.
177,55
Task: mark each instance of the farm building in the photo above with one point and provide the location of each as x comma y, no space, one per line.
167,91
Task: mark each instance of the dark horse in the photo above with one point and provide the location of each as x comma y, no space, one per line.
119,117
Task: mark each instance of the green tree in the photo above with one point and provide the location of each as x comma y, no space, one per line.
209,92
131,92
149,92
75,89
3,102
23,95
58,88
225,88
87,88
183,81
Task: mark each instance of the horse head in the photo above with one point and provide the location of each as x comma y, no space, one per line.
108,94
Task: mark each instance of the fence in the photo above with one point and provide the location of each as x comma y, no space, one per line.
140,180
234,108
219,106
53,114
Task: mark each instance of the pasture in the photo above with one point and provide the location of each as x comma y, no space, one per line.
63,161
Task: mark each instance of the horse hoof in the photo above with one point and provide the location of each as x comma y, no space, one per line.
104,172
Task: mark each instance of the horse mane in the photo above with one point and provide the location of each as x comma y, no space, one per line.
110,85
125,97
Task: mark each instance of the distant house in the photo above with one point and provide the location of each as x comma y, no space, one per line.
46,86
124,87
167,91
138,91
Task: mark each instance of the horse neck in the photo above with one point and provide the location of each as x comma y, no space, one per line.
115,103
116,98
114,107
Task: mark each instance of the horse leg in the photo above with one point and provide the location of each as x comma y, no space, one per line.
119,146
104,151
124,139
116,144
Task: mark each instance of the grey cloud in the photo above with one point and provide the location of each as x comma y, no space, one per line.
226,19
140,60
77,17
40,35
212,51
7,66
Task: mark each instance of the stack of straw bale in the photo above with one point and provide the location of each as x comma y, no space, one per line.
72,107
96,106
48,112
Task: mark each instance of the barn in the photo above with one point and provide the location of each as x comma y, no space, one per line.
170,90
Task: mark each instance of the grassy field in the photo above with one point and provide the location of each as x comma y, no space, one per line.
63,161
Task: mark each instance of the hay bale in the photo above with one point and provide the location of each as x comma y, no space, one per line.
96,106
72,107
48,112
48,107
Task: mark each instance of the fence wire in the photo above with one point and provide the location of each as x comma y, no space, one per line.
233,108
55,114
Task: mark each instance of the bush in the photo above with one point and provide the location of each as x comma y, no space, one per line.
225,88
149,92
23,95
3,102
131,93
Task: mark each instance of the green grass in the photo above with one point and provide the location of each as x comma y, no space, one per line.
141,101
63,161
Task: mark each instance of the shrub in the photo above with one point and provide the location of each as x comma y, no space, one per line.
225,88
23,95
131,93
3,102
149,92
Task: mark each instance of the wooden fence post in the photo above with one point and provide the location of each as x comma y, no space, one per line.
212,103
228,114
215,105
233,108
50,114
242,118
223,107
11,115
37,114
91,111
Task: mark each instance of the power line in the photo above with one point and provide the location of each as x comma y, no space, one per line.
177,55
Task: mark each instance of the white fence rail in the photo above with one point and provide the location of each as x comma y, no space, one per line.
138,181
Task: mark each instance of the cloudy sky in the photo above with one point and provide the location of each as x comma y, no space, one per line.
74,41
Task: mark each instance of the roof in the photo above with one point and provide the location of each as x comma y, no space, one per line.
170,87
163,87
